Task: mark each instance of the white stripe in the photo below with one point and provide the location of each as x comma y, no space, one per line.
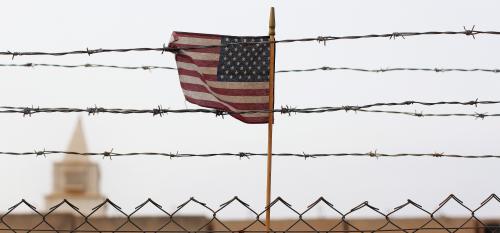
239,85
202,56
209,97
226,85
191,80
227,98
240,99
199,69
197,41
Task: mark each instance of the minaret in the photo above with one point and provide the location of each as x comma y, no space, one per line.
77,179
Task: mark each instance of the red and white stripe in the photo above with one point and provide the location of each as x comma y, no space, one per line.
198,77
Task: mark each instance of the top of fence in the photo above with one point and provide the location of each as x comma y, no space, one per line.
214,218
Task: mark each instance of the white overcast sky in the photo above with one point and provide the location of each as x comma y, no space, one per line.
346,182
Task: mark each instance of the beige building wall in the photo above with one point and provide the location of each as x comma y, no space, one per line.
68,222
366,225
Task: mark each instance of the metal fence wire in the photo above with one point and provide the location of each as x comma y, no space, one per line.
321,39
286,110
68,217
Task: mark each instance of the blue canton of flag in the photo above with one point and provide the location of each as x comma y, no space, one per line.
241,62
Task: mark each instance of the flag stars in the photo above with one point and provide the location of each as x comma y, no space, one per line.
246,63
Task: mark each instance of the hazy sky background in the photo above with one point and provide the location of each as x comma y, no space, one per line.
385,182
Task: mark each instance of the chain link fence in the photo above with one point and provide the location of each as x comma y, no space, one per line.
68,217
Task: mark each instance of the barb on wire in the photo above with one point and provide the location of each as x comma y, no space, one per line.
322,39
323,68
89,65
212,218
287,110
382,70
373,154
422,114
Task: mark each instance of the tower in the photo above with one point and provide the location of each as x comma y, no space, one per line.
76,179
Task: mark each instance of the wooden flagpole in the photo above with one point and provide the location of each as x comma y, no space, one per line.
272,50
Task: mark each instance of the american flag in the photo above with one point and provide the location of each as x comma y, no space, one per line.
230,76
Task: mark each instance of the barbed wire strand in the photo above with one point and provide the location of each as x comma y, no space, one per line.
288,110
321,39
323,68
88,65
248,155
382,70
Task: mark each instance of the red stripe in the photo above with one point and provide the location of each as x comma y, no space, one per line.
241,106
238,106
219,106
249,106
197,35
215,49
206,77
223,91
203,63
241,92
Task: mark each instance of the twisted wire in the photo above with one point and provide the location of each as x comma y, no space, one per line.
88,65
248,155
382,70
322,39
323,68
28,111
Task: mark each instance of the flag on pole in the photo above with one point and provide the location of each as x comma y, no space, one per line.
233,75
